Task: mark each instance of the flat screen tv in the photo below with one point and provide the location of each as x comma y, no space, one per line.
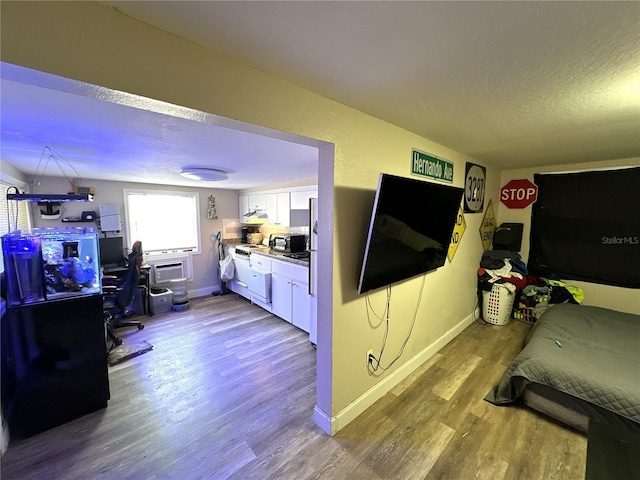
410,230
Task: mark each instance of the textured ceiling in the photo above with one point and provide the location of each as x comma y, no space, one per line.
509,83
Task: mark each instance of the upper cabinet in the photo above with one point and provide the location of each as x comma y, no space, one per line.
282,207
243,205
300,198
257,201
278,211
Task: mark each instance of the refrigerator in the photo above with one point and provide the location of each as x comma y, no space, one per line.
313,269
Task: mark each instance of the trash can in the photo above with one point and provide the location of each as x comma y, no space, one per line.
179,299
161,301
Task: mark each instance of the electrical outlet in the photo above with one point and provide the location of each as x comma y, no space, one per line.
370,357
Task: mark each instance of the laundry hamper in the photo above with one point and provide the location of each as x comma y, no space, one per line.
497,305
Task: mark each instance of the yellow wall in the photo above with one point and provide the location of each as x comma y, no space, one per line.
615,298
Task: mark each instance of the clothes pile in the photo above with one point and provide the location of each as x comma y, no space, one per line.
534,294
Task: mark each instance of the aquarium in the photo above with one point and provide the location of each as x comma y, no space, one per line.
44,264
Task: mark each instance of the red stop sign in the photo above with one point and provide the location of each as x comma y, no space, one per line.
519,193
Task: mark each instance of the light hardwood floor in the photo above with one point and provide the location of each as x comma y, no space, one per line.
228,392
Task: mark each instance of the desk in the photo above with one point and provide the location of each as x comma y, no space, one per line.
145,272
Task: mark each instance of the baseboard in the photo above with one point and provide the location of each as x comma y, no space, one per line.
324,421
332,425
203,292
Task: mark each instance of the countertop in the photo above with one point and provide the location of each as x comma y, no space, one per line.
267,252
281,256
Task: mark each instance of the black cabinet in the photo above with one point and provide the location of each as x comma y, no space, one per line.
54,363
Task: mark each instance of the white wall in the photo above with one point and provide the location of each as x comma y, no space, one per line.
606,296
98,45
205,277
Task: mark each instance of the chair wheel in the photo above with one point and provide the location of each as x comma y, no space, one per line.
140,327
117,342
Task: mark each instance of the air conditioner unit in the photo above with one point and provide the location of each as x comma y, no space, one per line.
165,272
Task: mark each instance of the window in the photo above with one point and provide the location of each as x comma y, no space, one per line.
165,222
586,226
13,216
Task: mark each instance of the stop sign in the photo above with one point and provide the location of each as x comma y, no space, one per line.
519,193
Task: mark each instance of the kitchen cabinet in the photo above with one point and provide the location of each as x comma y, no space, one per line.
284,208
290,299
278,210
257,201
300,198
252,202
243,204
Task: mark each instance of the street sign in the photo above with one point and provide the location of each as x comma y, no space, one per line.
488,227
429,166
456,236
519,193
474,182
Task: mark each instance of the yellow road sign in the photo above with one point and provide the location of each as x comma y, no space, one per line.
487,227
456,236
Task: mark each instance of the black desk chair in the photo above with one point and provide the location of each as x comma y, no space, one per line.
119,295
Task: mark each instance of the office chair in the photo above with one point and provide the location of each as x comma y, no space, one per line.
119,297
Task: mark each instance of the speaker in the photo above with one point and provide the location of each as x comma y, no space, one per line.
508,236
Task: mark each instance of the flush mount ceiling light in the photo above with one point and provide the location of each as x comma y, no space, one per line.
204,173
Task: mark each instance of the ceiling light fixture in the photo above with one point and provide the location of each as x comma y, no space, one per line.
206,174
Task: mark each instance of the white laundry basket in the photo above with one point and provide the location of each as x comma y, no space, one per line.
497,305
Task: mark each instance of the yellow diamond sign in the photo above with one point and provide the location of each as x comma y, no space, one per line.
456,236
488,227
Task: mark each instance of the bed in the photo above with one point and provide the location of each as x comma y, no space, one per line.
579,363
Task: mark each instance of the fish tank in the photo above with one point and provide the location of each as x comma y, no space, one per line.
44,264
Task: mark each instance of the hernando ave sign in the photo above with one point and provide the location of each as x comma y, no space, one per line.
429,166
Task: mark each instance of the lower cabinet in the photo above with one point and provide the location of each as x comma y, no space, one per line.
290,299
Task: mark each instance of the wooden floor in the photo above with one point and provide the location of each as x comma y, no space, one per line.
228,392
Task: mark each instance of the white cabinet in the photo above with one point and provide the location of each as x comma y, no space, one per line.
283,208
278,209
257,201
290,299
243,205
300,198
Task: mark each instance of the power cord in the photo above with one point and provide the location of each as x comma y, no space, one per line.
375,363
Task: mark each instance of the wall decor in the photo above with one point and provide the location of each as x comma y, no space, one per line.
456,236
474,186
487,227
211,209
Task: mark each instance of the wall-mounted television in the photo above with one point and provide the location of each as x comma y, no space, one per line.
410,230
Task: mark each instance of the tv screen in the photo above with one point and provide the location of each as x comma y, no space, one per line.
410,230
111,251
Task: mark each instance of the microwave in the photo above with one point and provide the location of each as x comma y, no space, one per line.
288,243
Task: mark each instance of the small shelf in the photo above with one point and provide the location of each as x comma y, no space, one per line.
50,197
